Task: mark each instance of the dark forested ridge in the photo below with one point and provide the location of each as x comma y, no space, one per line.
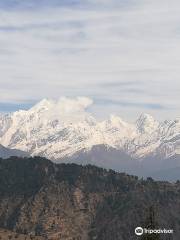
73,202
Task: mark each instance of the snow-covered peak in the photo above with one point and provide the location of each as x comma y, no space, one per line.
146,124
43,105
64,104
119,127
65,110
117,121
60,128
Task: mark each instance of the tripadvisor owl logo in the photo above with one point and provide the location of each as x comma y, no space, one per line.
139,231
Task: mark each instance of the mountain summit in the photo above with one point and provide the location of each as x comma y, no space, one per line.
60,129
146,124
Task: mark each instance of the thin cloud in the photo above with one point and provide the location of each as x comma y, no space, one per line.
146,106
127,51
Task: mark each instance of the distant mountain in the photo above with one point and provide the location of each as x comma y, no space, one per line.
57,129
168,169
171,174
59,201
106,157
111,158
60,130
7,152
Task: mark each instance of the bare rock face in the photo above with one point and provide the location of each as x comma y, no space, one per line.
43,200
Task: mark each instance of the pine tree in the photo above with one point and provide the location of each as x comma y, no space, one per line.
151,223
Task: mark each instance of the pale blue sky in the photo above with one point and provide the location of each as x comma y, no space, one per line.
124,55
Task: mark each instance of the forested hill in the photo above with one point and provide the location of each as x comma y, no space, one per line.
59,201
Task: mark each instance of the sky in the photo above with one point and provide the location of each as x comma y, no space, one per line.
123,54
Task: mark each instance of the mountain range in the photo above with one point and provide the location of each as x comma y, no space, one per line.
64,131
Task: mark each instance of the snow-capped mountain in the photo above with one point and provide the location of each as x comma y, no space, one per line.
59,129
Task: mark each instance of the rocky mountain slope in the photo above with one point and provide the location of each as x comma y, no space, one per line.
60,129
71,202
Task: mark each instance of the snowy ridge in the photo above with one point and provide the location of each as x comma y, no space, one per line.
58,129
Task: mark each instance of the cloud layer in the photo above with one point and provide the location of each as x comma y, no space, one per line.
124,55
